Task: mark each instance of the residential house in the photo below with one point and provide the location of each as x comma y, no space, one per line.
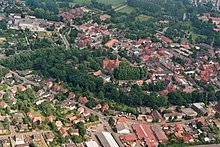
37,120
86,113
49,136
98,106
2,129
36,136
3,105
173,115
8,75
63,131
80,110
22,127
21,87
19,139
71,95
105,107
156,115
82,100
121,120
59,124
149,118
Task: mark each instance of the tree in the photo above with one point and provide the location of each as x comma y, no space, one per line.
111,121
14,121
101,95
217,115
127,72
93,118
178,109
199,125
3,25
82,129
32,145
26,120
6,123
77,139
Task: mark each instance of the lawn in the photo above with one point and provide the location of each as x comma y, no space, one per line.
142,17
127,10
3,87
36,113
194,36
82,1
114,3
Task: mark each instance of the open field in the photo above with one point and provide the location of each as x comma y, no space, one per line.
127,10
142,17
114,3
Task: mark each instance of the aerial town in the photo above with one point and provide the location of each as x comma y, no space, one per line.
109,73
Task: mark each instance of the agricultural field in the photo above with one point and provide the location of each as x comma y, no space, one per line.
127,10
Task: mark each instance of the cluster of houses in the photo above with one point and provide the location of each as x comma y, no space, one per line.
215,20
76,13
157,57
152,135
91,35
143,132
26,139
46,94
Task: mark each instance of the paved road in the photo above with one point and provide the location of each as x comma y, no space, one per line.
22,78
11,136
25,133
63,37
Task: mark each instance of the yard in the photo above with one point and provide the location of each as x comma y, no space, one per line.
4,87
36,113
127,10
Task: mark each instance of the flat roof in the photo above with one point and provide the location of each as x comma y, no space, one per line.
199,105
188,111
106,139
91,144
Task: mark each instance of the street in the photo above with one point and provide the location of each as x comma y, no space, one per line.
104,122
22,78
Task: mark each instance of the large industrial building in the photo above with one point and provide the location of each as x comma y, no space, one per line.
145,134
106,139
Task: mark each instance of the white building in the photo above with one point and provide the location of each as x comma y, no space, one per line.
91,144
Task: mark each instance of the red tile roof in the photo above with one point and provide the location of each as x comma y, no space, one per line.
110,64
144,133
111,42
82,100
121,120
105,107
128,137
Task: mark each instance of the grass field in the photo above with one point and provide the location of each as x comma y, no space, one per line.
194,36
127,10
142,17
114,3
